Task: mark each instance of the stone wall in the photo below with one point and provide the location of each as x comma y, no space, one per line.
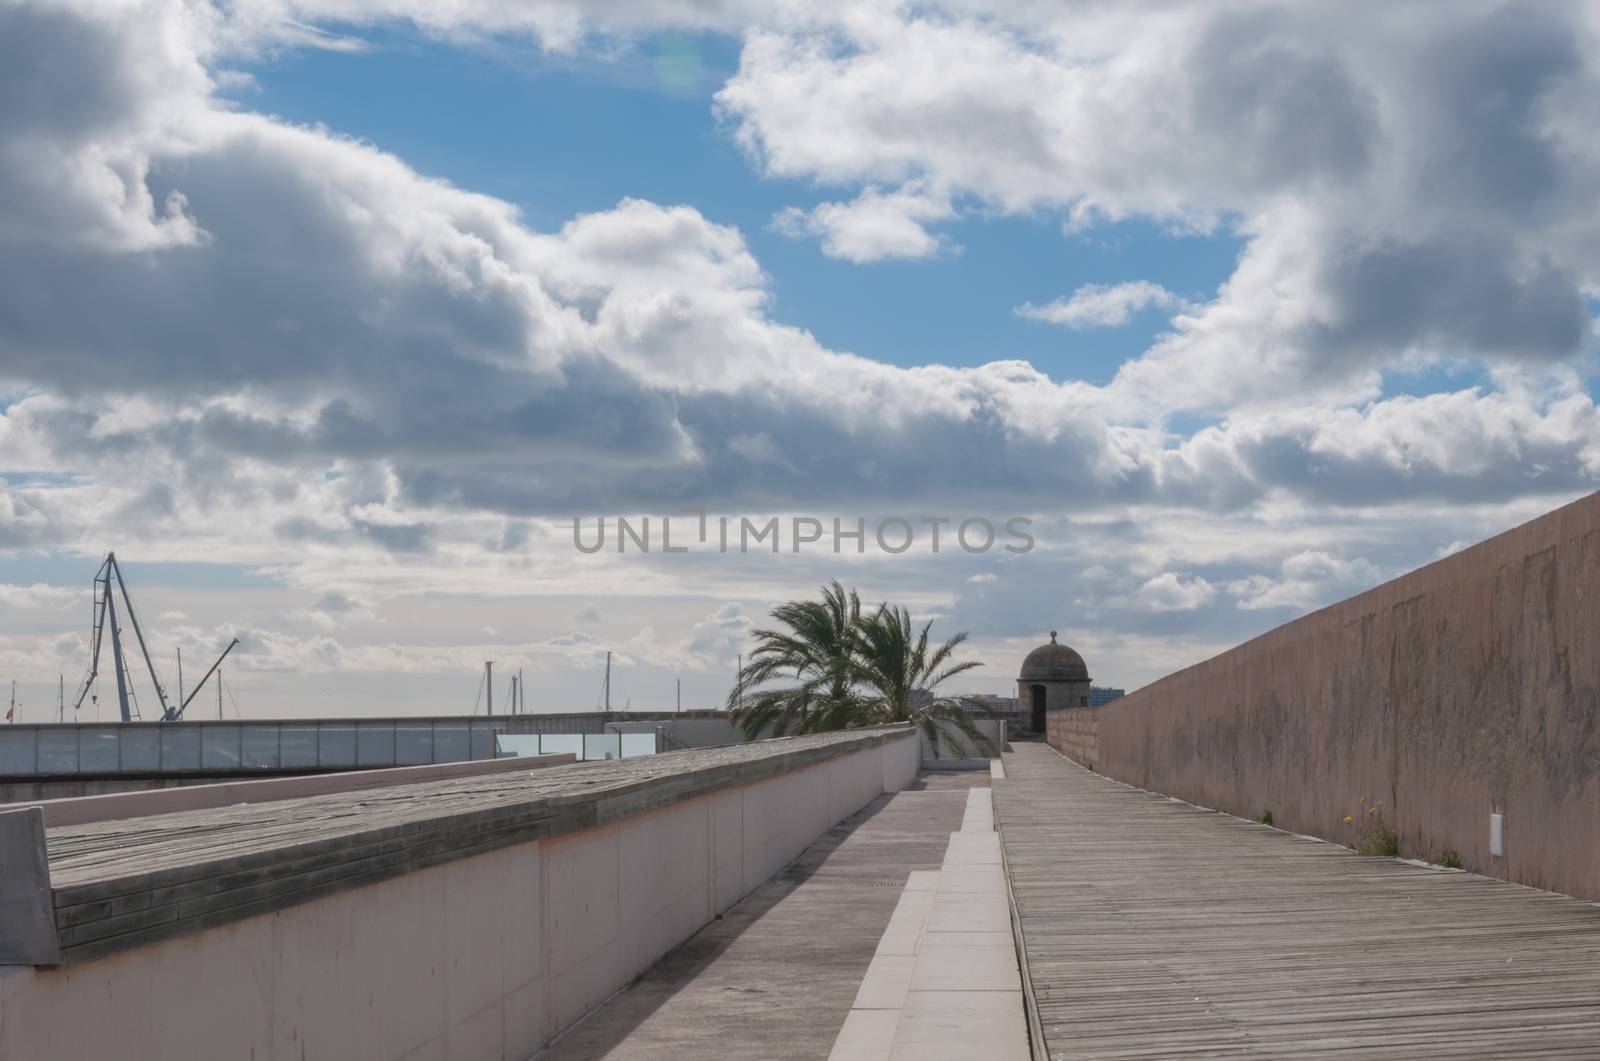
1075,733
1465,688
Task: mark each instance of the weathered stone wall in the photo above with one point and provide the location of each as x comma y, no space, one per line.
1465,687
1075,733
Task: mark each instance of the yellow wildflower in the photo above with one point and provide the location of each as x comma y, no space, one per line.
1347,819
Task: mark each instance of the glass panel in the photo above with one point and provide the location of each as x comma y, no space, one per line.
450,742
336,744
299,746
258,746
602,745
97,750
413,743
58,751
141,747
16,749
483,737
219,746
375,743
561,744
510,744
180,746
635,744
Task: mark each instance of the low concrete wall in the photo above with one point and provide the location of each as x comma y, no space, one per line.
957,753
1467,687
123,805
486,957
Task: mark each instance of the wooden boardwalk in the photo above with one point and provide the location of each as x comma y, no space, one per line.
1154,929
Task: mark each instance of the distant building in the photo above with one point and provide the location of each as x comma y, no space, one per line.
1100,696
1004,706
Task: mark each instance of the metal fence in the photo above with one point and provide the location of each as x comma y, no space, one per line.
267,746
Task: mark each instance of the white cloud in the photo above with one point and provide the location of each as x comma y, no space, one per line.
1410,185
356,378
20,600
876,225
1170,592
1307,580
1102,305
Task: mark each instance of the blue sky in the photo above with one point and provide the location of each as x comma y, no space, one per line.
1313,302
561,137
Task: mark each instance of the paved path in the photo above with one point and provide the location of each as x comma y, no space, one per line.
775,977
1154,929
944,984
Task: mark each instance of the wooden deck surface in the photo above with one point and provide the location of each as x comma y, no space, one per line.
1154,929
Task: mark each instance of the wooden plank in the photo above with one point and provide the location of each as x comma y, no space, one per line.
1155,929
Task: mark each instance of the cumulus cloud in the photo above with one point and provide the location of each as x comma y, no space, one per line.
39,597
343,311
1408,186
1306,580
873,226
335,367
1102,305
1170,592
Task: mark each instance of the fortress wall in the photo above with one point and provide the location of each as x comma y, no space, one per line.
1465,688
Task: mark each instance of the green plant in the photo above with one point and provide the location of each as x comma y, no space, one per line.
1380,840
905,671
1265,817
1369,834
1449,859
815,644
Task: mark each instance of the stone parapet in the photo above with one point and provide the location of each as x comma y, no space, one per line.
1075,733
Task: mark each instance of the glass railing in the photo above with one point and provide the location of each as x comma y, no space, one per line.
587,747
268,746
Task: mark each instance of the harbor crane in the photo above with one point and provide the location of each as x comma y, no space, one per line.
109,583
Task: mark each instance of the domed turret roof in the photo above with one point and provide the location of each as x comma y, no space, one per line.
1054,663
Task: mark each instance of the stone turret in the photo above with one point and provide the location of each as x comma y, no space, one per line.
1053,678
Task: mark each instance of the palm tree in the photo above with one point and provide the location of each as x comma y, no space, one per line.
833,653
816,647
906,676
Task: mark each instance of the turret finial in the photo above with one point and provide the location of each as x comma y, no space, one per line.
1052,637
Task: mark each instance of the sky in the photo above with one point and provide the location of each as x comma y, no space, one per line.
332,317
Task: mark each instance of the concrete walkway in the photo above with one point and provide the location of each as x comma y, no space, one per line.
944,982
1154,929
776,976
